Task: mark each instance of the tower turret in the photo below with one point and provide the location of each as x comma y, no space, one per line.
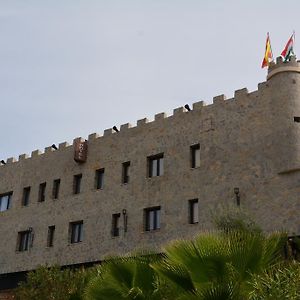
283,81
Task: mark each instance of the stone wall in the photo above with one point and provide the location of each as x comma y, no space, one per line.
250,141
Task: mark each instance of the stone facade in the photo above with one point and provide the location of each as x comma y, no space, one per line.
250,141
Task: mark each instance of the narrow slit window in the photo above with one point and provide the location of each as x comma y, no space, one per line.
56,186
193,211
50,238
26,196
115,225
77,183
42,192
125,172
99,179
195,156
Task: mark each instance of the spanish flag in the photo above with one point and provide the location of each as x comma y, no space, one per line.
268,57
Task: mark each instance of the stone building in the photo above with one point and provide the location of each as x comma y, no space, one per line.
142,186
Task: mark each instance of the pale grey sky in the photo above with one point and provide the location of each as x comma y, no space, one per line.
69,67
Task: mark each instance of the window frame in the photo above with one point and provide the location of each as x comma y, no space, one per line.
77,180
193,219
194,152
24,241
115,227
8,203
26,195
42,192
50,236
56,188
155,165
125,172
99,179
156,210
76,232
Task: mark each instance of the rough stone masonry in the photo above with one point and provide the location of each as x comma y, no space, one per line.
250,142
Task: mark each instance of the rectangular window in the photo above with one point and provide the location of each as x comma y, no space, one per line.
76,232
24,238
42,192
26,194
297,119
50,238
125,172
56,186
99,179
77,183
193,211
156,165
115,225
5,201
152,218
195,156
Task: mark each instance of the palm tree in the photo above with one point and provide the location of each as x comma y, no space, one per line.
219,265
129,277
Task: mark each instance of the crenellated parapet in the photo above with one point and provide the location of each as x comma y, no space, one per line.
197,107
281,66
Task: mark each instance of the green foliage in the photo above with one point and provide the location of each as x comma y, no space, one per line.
281,282
54,284
128,277
219,265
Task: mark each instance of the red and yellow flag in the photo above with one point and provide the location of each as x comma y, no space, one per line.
268,57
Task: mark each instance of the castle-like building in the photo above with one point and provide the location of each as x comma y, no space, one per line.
142,186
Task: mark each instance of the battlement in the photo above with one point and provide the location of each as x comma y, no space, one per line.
280,66
177,112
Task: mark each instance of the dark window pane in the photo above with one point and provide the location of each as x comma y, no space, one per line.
99,179
195,156
156,165
50,239
26,195
193,211
125,172
152,218
56,186
42,192
77,183
115,224
76,229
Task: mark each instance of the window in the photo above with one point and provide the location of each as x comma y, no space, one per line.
152,218
56,186
77,183
99,179
125,172
156,165
50,238
115,225
297,119
193,211
76,231
42,191
5,200
26,194
195,156
24,238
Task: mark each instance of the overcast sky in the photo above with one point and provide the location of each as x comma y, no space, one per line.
71,68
